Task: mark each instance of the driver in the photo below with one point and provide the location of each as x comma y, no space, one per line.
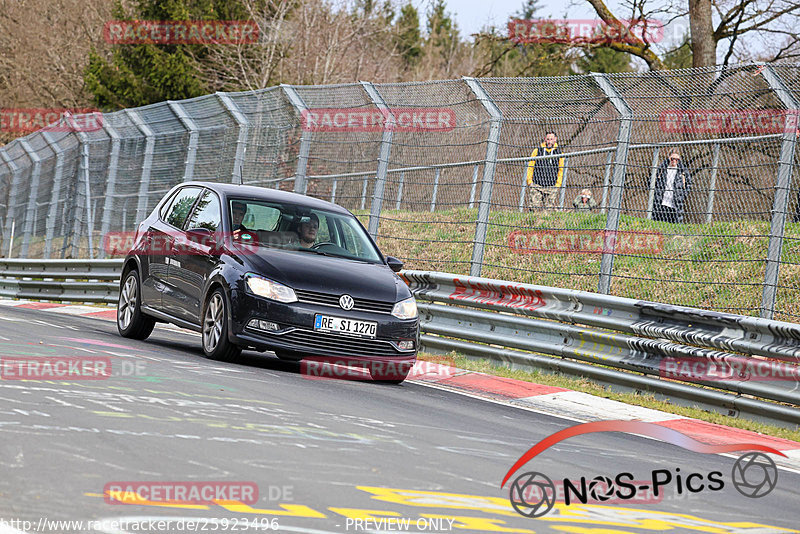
238,212
307,232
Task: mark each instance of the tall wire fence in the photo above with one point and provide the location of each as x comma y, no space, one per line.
441,181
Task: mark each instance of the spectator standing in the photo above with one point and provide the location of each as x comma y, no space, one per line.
673,182
544,176
584,201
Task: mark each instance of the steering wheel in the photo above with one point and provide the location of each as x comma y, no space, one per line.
321,243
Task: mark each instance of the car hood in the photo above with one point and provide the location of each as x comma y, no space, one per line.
324,274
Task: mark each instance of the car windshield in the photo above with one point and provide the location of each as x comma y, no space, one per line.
299,228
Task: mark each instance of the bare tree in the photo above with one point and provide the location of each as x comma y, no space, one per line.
771,23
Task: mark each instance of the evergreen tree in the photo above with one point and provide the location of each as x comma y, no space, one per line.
141,74
604,60
680,57
409,38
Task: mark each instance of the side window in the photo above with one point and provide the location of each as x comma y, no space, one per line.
181,206
165,207
351,241
324,232
207,214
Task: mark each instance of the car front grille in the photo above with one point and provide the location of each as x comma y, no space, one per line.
327,299
310,341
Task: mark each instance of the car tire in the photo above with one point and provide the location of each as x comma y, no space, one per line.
388,373
214,328
131,322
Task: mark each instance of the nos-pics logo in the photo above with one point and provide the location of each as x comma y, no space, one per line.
533,494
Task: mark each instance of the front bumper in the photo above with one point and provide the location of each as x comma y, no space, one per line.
296,332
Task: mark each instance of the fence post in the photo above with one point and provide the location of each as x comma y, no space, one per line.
383,158
651,194
618,180
111,182
52,212
333,190
191,127
147,165
606,179
30,210
712,186
241,140
400,190
84,173
435,188
780,204
487,182
474,186
300,178
12,201
563,187
364,194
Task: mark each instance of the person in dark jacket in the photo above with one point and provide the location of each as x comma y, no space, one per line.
544,176
673,182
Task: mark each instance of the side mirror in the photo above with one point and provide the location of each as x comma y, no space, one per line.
394,264
199,235
205,237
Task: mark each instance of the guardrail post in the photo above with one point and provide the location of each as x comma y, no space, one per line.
52,212
651,193
147,165
606,179
383,158
30,211
8,242
191,127
487,182
780,204
435,188
300,178
712,186
241,140
111,182
618,180
84,173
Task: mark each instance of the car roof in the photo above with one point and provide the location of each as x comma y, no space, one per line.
263,193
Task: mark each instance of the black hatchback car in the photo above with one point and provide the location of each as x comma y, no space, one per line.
255,268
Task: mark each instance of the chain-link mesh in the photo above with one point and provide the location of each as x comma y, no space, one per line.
457,186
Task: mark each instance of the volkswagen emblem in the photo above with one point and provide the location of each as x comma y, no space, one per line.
346,302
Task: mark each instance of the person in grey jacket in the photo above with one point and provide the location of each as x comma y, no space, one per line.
673,183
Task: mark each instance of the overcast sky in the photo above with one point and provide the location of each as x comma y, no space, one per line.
473,15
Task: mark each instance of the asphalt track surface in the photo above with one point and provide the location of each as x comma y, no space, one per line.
322,453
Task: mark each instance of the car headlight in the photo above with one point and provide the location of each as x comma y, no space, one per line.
405,309
266,288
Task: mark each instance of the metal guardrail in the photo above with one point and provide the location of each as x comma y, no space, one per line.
623,343
62,280
619,342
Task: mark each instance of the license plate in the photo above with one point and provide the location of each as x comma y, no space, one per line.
340,325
